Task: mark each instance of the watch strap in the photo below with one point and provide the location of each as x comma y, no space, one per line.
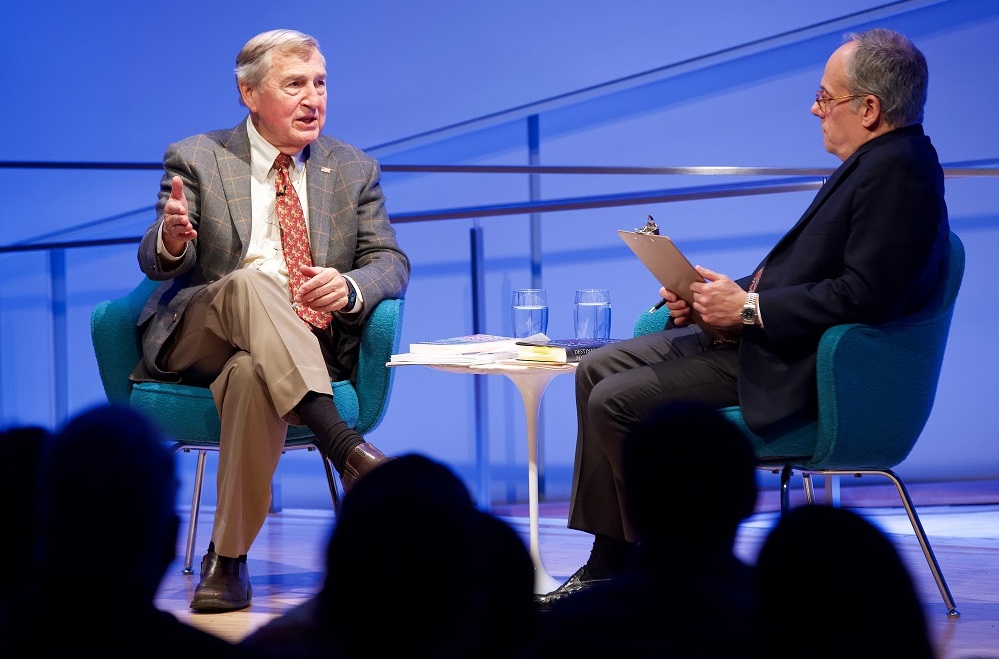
751,310
351,296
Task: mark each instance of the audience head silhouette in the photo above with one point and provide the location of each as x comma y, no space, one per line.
677,512
98,576
686,593
831,584
508,617
411,554
107,457
413,521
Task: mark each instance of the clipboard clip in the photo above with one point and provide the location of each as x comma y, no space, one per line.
650,228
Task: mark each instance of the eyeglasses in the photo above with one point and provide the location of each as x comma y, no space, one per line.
823,101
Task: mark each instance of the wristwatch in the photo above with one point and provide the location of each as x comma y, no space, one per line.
351,297
750,312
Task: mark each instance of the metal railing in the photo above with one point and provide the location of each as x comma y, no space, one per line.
796,180
781,180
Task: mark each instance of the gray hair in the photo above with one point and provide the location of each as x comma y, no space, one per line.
887,64
254,61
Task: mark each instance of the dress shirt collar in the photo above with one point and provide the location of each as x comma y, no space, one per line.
263,153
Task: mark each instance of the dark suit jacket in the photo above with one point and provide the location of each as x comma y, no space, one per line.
349,230
868,249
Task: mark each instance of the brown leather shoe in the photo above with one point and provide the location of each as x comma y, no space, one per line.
361,459
224,586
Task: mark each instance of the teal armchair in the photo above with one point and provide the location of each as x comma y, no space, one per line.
187,413
876,387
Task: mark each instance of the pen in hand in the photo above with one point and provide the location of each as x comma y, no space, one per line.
658,306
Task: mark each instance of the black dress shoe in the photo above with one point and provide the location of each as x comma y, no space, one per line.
361,459
224,586
576,583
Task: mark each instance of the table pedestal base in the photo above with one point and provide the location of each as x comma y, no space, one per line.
532,384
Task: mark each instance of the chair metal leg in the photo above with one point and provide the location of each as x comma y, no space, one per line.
924,542
806,481
832,490
917,528
785,488
331,479
192,526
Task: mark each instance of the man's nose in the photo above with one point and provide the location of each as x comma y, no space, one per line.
313,96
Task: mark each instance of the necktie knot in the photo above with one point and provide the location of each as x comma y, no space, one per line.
282,181
283,161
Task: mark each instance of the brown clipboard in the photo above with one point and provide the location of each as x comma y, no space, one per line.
670,267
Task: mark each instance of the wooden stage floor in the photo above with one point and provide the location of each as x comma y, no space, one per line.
962,520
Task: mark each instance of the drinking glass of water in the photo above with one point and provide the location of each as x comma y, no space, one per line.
593,313
530,312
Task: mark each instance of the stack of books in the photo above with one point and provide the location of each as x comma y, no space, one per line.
468,349
476,349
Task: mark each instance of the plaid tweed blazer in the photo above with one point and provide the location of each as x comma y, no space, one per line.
349,230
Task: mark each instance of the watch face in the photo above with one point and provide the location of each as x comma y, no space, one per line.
748,314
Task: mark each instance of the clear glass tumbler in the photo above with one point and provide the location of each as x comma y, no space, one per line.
530,312
592,313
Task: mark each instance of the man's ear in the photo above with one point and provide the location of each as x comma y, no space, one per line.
248,95
871,111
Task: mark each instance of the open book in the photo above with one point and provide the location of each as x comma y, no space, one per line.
670,267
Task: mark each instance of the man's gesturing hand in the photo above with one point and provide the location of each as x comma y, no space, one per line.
177,227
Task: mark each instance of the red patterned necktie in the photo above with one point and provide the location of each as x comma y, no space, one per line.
294,238
756,280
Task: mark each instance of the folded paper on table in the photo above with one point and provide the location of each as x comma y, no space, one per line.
668,265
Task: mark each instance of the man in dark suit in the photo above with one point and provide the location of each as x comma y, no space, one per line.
868,249
240,313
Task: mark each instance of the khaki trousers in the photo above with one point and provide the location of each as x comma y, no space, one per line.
241,337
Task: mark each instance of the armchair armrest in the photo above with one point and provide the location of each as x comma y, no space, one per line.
379,340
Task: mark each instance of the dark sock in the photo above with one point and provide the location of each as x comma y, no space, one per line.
608,558
211,549
334,436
